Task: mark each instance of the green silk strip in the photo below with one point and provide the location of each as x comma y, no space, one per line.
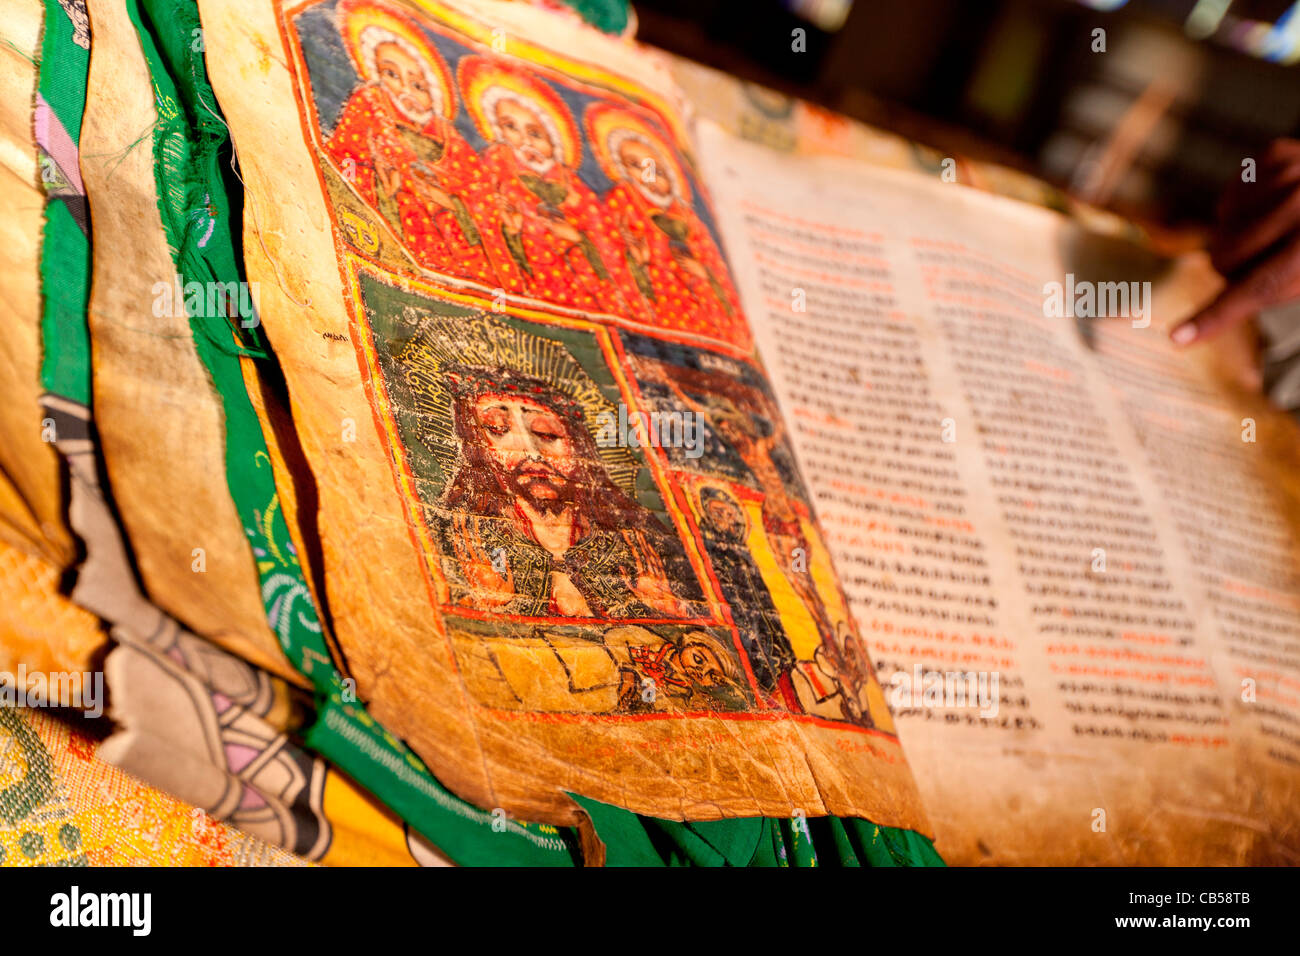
610,16
65,243
633,840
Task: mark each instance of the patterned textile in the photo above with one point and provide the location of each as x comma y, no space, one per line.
37,628
61,806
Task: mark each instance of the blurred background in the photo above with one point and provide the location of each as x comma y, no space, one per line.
1150,117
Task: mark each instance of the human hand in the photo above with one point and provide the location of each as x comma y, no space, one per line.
1256,246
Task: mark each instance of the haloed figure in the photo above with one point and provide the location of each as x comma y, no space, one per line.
396,144
725,529
533,524
731,408
551,239
677,270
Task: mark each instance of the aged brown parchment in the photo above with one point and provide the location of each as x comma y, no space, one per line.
424,661
159,419
31,502
39,629
1108,525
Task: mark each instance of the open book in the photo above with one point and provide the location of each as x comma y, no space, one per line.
653,466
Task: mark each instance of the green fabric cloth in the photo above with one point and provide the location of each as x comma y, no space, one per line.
65,240
633,840
611,16
195,187
189,166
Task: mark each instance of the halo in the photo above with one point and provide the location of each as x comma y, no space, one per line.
438,347
365,24
486,82
610,124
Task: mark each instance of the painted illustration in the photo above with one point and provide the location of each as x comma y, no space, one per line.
745,418
677,267
533,520
726,530
530,517
537,287
556,241
443,155
757,530
625,670
395,142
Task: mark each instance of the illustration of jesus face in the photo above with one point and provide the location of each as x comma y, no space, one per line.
529,448
523,130
403,77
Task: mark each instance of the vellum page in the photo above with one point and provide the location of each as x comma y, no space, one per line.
159,421
482,251
1063,511
31,503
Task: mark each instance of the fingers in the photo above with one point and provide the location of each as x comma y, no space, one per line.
1254,218
1275,280
1242,203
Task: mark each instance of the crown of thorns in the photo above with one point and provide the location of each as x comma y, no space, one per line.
470,382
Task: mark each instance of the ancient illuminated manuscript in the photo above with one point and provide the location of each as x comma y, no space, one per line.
618,563
592,563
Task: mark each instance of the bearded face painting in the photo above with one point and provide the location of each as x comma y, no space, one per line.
678,272
530,516
397,147
533,523
550,238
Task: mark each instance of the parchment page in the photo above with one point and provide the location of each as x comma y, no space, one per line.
1066,550
159,421
31,502
564,547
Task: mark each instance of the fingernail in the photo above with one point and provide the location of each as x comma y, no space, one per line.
1184,333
